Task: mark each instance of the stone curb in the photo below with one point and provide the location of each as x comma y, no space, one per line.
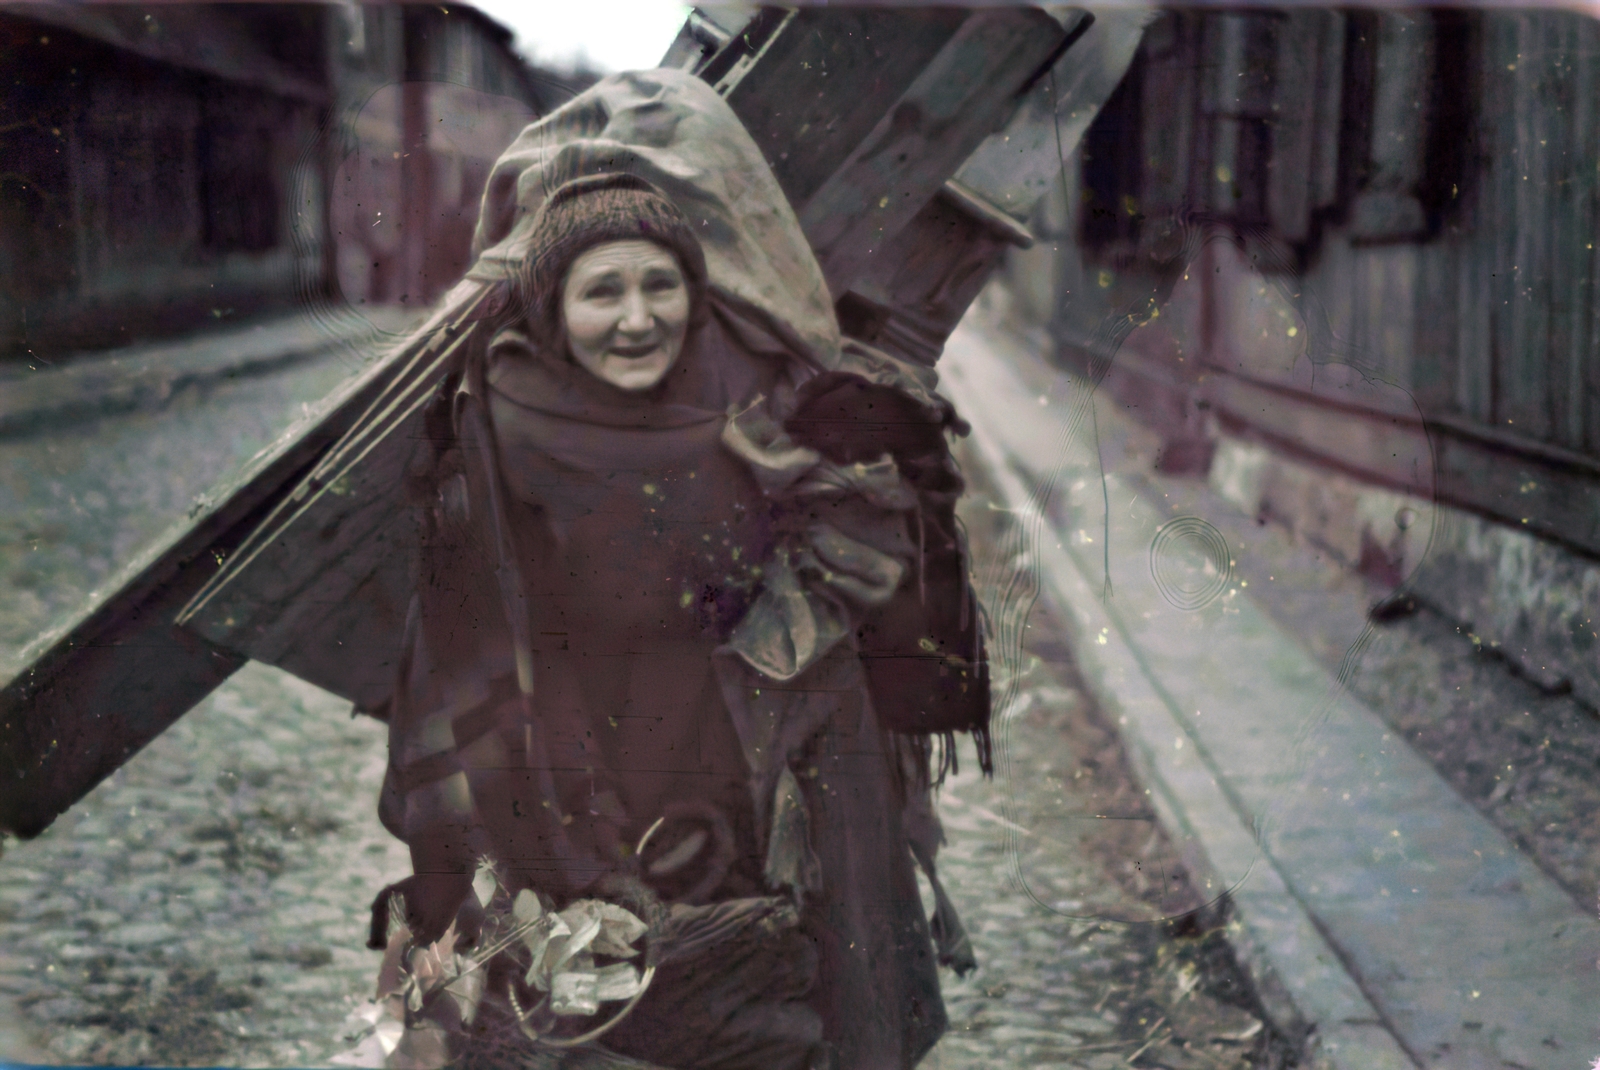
1301,983
1371,902
147,376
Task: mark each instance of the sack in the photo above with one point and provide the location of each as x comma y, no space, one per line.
923,652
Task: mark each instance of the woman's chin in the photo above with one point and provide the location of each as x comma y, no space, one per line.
636,373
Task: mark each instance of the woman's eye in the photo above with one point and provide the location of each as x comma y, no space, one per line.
657,284
603,291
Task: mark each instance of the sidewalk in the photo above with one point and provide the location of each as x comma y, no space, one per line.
1372,902
90,385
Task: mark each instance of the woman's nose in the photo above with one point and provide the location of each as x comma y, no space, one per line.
636,318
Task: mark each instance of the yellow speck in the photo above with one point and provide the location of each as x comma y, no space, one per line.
884,203
1105,279
684,599
1293,331
1224,173
649,488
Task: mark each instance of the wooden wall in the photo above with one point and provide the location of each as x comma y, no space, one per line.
1416,194
136,192
169,169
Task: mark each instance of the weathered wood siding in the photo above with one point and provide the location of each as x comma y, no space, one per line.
147,192
166,169
1418,192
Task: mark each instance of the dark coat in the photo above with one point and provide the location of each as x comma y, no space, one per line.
658,578
640,607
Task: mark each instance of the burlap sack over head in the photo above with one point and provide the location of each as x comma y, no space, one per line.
673,130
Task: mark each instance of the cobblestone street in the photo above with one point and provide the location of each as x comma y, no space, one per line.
79,499
1094,949
208,904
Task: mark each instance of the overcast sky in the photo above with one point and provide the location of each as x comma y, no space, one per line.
614,35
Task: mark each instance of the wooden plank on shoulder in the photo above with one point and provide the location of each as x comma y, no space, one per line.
967,91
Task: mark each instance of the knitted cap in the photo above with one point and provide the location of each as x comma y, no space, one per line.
590,211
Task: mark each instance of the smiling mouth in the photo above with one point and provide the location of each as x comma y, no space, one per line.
635,352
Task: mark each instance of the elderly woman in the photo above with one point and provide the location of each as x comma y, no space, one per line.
657,537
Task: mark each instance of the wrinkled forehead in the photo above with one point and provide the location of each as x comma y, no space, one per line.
631,256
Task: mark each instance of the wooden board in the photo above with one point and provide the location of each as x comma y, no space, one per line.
111,680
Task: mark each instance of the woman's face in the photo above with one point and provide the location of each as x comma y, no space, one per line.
626,309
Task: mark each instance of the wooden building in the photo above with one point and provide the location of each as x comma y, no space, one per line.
1363,242
167,167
